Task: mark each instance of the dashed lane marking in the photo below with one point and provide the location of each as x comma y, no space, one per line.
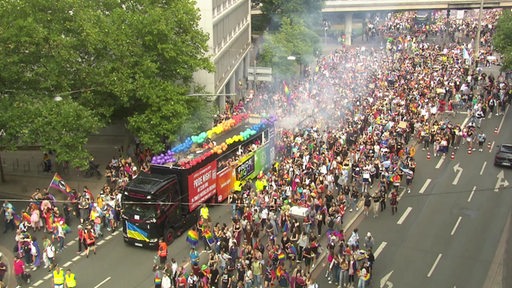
483,167
456,225
67,264
440,163
425,185
402,219
380,248
471,195
434,265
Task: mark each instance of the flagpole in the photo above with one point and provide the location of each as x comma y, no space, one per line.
50,185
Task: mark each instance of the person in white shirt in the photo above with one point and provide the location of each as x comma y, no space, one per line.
166,281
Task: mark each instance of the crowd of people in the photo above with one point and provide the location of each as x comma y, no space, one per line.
46,216
347,141
363,112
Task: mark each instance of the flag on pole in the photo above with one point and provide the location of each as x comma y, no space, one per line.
286,90
59,184
465,53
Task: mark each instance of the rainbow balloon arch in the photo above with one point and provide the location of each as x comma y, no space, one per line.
172,156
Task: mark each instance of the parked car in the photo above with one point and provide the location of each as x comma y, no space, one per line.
504,155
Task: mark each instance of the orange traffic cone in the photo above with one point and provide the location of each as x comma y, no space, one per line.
470,151
428,155
452,156
496,131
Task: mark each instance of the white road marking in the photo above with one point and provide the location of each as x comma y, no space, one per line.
101,242
424,187
402,219
115,233
441,160
108,237
492,145
457,169
38,283
483,167
76,258
380,248
465,121
47,277
456,225
434,266
503,119
71,243
471,195
67,264
102,282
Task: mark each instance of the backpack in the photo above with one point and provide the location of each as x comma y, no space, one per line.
283,281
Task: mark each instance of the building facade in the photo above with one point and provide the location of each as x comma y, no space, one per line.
228,22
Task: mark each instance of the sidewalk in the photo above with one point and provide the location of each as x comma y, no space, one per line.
23,170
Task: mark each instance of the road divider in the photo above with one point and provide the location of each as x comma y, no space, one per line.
434,265
455,226
402,219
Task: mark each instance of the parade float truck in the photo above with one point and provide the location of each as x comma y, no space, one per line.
205,168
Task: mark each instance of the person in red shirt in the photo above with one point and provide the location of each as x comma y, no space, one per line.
19,270
162,251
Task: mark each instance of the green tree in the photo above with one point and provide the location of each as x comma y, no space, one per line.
310,11
502,38
293,40
132,60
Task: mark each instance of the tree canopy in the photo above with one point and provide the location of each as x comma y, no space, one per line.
503,38
107,59
293,41
307,10
290,35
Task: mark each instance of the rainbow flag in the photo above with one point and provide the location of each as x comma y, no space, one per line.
293,250
209,237
192,237
286,91
281,256
17,219
279,271
25,217
59,184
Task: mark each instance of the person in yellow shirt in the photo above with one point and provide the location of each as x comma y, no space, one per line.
58,277
70,279
205,213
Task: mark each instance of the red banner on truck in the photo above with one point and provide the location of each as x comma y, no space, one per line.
202,185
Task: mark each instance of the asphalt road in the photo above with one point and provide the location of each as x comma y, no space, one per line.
448,229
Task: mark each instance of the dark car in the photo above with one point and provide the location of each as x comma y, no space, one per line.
504,155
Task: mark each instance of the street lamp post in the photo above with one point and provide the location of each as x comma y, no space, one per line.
476,52
2,176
